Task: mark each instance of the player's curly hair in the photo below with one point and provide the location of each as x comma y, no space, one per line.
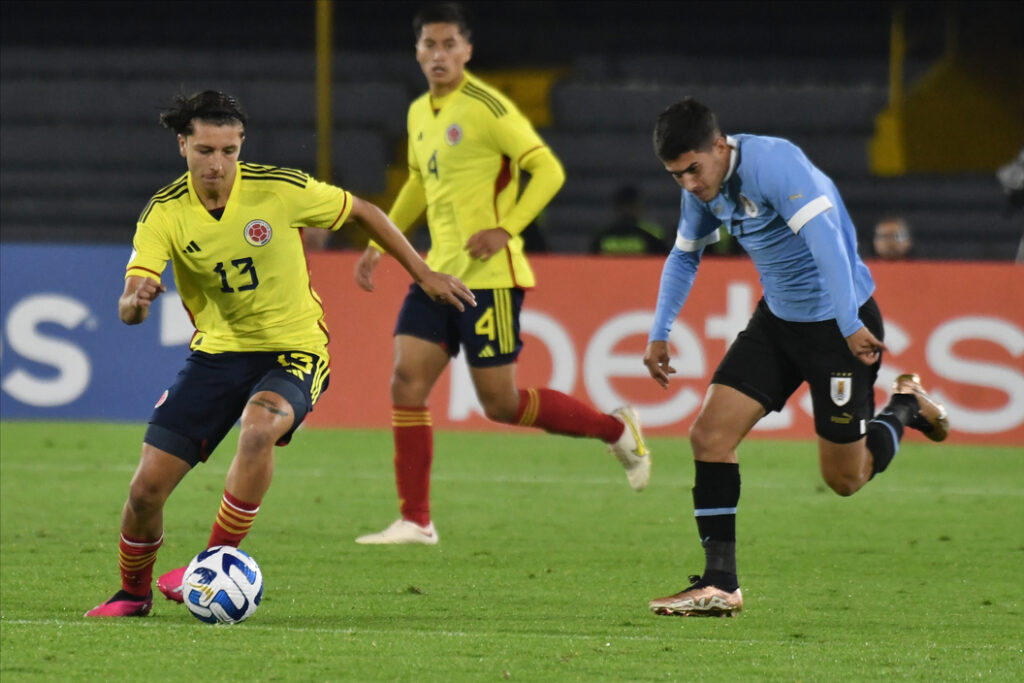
209,106
684,126
443,13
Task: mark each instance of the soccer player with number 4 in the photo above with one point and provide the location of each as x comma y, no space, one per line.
468,145
817,323
259,353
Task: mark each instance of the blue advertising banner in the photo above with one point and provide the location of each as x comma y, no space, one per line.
64,353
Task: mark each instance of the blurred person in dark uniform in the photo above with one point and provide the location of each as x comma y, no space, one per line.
630,233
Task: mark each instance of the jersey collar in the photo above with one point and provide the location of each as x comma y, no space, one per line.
437,103
232,196
734,156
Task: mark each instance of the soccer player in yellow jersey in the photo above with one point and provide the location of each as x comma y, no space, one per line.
232,232
467,147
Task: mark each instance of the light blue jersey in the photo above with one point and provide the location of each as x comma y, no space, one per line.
789,217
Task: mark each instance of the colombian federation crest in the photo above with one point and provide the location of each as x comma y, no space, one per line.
841,389
453,135
749,207
257,233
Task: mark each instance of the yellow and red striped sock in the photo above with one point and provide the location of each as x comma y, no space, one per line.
136,558
234,519
560,413
414,454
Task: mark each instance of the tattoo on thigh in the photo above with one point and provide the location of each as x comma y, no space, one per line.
269,406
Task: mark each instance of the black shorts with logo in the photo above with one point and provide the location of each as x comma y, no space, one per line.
210,393
489,331
772,357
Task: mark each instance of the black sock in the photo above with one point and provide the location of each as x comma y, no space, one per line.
886,430
716,493
883,440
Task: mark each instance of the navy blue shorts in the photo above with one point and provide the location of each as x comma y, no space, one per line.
210,393
772,357
489,332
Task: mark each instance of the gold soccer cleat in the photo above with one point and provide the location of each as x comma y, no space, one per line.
931,419
699,600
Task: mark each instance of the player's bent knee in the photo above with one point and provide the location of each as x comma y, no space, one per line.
499,406
408,390
844,485
708,443
146,496
259,436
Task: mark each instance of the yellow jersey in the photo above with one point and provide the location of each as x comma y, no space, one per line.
243,278
466,149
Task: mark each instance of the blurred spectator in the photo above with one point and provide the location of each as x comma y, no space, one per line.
892,240
630,232
1011,179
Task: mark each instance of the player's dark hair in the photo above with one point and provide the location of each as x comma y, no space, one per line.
443,13
209,106
684,126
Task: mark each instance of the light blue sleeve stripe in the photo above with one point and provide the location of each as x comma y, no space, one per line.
892,433
711,512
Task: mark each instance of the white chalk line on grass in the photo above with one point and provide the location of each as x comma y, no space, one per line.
603,640
141,623
284,471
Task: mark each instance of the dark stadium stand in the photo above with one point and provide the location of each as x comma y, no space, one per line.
602,132
81,153
81,150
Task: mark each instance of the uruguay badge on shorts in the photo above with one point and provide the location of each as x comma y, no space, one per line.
841,388
257,233
453,135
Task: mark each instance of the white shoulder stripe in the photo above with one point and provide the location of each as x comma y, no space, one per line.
807,212
684,244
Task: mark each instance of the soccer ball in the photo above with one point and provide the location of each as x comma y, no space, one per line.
222,585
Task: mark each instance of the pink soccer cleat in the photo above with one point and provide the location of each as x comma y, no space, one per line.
170,584
123,604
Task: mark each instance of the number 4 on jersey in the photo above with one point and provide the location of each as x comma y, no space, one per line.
432,165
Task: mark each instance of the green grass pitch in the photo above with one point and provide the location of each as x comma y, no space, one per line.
546,563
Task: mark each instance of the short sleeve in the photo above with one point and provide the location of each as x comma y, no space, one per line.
151,248
320,205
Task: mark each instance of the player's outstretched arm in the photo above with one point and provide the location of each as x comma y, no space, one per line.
440,287
139,293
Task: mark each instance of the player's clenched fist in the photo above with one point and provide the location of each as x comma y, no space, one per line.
139,293
148,291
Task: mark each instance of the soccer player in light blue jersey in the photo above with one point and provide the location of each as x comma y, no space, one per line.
817,323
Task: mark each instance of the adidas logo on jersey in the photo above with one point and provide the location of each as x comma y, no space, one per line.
192,248
487,352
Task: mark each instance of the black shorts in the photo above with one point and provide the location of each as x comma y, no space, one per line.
490,331
772,357
210,393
